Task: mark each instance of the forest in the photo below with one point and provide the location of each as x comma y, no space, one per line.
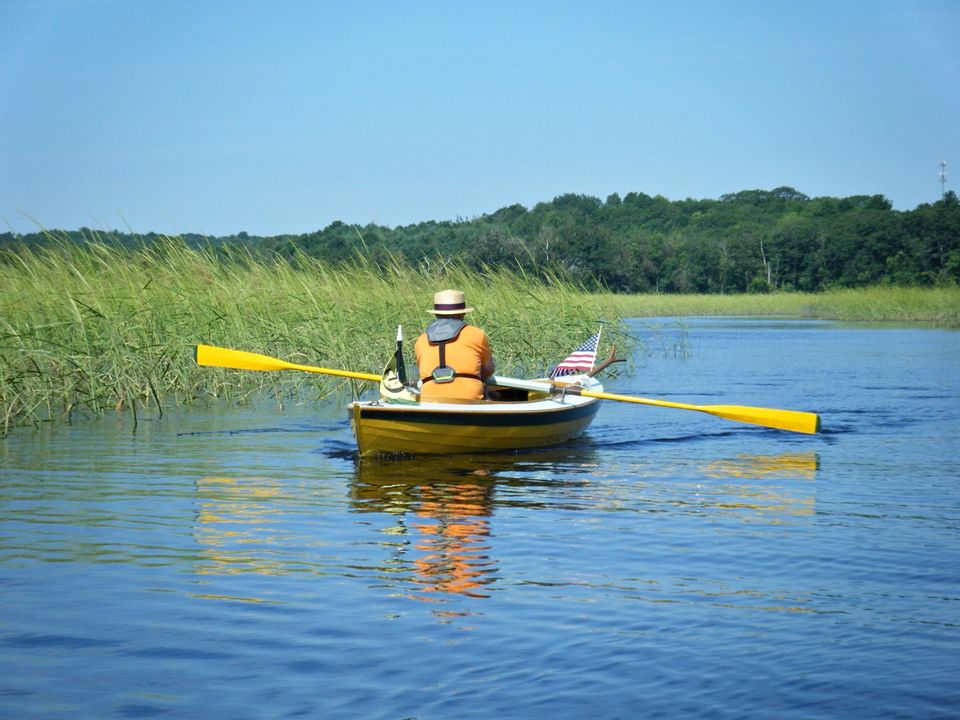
751,241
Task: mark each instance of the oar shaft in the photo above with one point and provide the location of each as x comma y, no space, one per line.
631,399
555,387
792,420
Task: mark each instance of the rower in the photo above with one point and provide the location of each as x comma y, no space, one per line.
453,358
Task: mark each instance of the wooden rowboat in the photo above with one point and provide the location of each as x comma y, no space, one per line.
521,419
530,414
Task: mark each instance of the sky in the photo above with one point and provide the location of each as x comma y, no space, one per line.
218,117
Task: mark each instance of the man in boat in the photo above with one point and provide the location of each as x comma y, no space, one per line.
453,358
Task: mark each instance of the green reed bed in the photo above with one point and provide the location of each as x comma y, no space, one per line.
937,307
91,328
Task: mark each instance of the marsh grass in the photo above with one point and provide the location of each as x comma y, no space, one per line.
935,307
95,328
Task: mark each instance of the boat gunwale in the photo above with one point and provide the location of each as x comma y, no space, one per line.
387,412
548,404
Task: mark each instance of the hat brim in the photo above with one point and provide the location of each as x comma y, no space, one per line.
460,311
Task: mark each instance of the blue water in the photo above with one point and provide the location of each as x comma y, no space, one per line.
237,562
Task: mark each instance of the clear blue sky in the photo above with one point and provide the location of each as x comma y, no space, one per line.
283,116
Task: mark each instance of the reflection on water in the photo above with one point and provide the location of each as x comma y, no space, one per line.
788,465
234,526
435,541
445,507
453,526
764,497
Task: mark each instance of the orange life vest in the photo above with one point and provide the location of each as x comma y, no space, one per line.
460,348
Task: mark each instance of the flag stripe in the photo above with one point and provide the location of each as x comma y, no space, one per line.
581,359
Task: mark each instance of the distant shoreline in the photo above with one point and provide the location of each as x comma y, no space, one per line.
934,307
753,241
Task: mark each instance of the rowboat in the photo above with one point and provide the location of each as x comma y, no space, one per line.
520,419
528,414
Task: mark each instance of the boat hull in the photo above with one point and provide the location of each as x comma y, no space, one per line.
384,428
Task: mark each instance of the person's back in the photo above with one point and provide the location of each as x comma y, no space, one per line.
453,358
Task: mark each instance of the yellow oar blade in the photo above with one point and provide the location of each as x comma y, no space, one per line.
237,359
212,356
793,420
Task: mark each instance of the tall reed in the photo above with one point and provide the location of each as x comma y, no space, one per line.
94,327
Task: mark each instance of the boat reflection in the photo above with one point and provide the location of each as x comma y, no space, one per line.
444,506
434,539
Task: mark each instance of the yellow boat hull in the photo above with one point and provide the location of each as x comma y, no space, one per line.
383,428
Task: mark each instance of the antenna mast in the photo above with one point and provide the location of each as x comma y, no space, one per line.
943,178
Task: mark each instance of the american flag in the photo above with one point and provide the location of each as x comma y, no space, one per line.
580,360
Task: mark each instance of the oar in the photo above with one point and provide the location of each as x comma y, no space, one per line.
241,360
793,420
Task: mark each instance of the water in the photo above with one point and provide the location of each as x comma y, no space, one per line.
239,563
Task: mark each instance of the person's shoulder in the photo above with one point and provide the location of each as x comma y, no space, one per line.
474,330
474,334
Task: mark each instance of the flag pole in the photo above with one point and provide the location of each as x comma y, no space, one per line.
599,333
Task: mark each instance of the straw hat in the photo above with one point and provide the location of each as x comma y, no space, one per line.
449,302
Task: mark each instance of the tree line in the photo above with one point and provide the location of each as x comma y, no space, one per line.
749,241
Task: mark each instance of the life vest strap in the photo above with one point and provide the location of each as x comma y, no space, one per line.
455,376
443,366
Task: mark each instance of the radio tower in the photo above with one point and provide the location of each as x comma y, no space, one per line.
943,178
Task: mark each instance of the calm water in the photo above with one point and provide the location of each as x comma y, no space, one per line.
238,563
